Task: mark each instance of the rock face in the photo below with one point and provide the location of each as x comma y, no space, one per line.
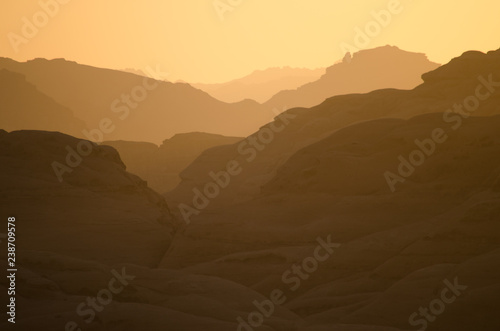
367,70
99,212
397,250
160,166
25,107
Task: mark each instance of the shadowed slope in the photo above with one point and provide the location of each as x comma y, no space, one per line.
25,107
160,166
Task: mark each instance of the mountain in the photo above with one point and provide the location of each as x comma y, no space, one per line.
116,105
261,85
25,107
160,166
368,70
82,190
441,89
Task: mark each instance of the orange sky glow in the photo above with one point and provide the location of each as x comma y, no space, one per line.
216,41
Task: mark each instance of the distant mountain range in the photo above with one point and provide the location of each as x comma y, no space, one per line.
261,85
95,94
117,105
365,71
368,70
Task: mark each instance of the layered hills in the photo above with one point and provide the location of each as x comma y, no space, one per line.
261,85
360,211
117,105
160,165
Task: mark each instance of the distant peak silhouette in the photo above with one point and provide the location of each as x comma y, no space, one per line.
347,58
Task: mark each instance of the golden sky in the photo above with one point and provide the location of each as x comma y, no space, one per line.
191,41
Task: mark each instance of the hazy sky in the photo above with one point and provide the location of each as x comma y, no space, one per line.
189,40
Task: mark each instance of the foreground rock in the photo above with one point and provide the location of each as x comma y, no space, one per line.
98,212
